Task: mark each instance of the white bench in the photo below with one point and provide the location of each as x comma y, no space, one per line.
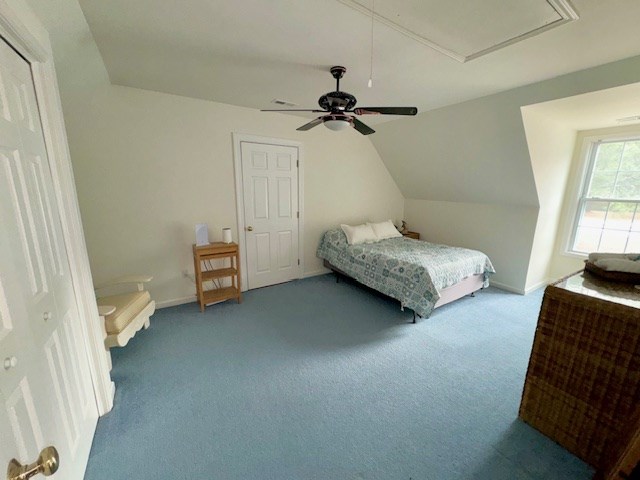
125,314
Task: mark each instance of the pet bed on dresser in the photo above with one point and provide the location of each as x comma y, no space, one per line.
421,275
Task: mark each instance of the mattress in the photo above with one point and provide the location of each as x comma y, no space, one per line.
411,271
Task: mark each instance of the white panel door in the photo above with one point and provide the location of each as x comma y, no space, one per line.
270,183
46,395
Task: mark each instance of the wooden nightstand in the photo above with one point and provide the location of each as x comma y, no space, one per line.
216,251
414,235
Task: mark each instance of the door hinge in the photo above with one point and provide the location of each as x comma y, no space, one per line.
298,261
297,163
298,214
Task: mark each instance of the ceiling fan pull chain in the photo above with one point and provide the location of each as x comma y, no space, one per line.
373,9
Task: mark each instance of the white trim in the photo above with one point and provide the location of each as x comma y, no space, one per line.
48,98
587,154
520,291
576,190
563,8
507,288
536,286
301,250
576,255
176,301
238,138
573,190
316,273
20,37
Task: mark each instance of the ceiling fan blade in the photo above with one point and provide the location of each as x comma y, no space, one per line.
386,111
310,125
362,128
296,110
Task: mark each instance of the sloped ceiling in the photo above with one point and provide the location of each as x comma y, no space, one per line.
477,151
473,152
248,52
612,107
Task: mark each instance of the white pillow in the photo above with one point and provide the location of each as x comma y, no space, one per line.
359,234
384,230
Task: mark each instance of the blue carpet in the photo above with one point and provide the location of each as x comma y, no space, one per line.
317,380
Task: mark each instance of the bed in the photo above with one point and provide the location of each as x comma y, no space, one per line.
421,275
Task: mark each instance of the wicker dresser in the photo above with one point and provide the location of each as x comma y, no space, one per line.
583,381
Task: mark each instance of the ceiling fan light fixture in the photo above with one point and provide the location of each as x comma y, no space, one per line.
337,123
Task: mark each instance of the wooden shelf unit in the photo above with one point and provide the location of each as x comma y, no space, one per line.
213,252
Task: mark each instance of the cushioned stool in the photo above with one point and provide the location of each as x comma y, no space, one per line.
126,313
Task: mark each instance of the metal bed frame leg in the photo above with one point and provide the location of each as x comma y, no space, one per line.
414,312
473,294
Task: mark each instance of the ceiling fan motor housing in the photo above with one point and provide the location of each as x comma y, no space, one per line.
337,101
338,72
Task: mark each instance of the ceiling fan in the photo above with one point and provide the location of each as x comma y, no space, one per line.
337,105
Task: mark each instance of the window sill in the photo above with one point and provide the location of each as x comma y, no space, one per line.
582,256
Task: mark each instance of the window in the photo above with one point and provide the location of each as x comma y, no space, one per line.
608,216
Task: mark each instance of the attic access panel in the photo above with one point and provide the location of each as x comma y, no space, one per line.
465,30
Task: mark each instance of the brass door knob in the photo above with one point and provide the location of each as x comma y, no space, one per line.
249,229
47,464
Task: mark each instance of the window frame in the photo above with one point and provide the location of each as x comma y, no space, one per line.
587,157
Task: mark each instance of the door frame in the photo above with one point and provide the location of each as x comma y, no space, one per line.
238,139
40,56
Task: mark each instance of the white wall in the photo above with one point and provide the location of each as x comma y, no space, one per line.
148,166
551,145
473,155
476,152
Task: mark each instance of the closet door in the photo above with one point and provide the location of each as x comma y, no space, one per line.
46,395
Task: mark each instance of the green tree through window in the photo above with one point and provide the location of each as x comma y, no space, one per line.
608,217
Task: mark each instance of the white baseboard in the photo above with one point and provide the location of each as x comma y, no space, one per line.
176,301
315,273
192,298
507,288
520,291
112,393
538,285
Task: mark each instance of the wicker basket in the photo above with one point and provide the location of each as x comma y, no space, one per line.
583,380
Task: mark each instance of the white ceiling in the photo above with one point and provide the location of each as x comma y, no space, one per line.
590,111
439,24
248,52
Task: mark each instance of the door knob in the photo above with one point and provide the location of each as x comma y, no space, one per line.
47,464
47,316
10,362
249,229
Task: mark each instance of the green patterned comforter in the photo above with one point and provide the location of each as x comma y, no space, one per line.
408,270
